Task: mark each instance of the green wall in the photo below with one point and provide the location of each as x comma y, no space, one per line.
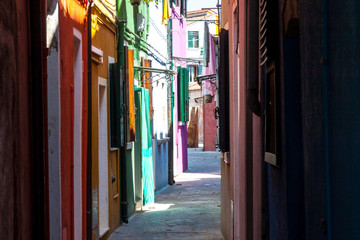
128,12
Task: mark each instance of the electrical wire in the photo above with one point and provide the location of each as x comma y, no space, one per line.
157,29
146,81
138,37
147,50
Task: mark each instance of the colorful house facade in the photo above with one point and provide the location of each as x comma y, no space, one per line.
105,159
160,82
23,131
133,55
177,53
73,43
289,165
201,33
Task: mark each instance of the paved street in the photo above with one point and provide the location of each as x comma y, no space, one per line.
188,210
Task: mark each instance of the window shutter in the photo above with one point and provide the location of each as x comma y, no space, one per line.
122,109
149,86
224,121
269,64
183,8
126,93
131,100
183,94
186,94
270,118
115,105
179,92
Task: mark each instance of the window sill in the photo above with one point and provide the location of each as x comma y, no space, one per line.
163,140
103,231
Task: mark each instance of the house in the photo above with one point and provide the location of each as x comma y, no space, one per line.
291,143
160,83
23,131
73,95
180,89
105,159
137,181
201,29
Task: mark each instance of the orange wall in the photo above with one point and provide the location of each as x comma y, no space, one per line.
71,15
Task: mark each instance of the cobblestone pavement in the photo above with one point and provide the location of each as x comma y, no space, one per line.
188,210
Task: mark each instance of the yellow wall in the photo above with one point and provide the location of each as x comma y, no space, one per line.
104,38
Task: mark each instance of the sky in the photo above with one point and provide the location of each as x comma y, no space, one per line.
198,4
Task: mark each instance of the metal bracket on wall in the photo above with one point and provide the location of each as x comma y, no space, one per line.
211,78
225,156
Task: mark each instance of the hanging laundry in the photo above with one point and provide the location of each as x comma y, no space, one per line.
206,45
146,146
166,12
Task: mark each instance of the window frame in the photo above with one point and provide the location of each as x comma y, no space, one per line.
194,41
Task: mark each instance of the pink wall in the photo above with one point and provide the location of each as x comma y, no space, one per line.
210,122
179,50
209,125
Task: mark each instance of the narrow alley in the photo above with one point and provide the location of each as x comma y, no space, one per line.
189,209
179,119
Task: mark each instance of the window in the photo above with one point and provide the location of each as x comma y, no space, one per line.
200,68
193,39
193,72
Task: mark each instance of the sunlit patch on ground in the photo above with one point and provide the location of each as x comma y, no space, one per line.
154,207
189,177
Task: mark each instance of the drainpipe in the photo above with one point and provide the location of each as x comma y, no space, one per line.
89,139
38,120
170,111
326,115
252,56
123,192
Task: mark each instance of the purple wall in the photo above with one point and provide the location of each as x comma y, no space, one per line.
180,131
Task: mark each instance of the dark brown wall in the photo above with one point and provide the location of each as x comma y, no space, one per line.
15,161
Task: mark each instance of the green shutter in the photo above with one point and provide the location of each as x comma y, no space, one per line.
182,85
183,94
186,94
179,92
183,8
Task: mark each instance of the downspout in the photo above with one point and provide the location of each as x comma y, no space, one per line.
253,61
121,60
326,116
170,108
38,203
89,139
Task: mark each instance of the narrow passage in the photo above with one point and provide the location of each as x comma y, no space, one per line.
190,209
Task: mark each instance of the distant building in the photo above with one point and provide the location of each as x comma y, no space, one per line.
201,29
